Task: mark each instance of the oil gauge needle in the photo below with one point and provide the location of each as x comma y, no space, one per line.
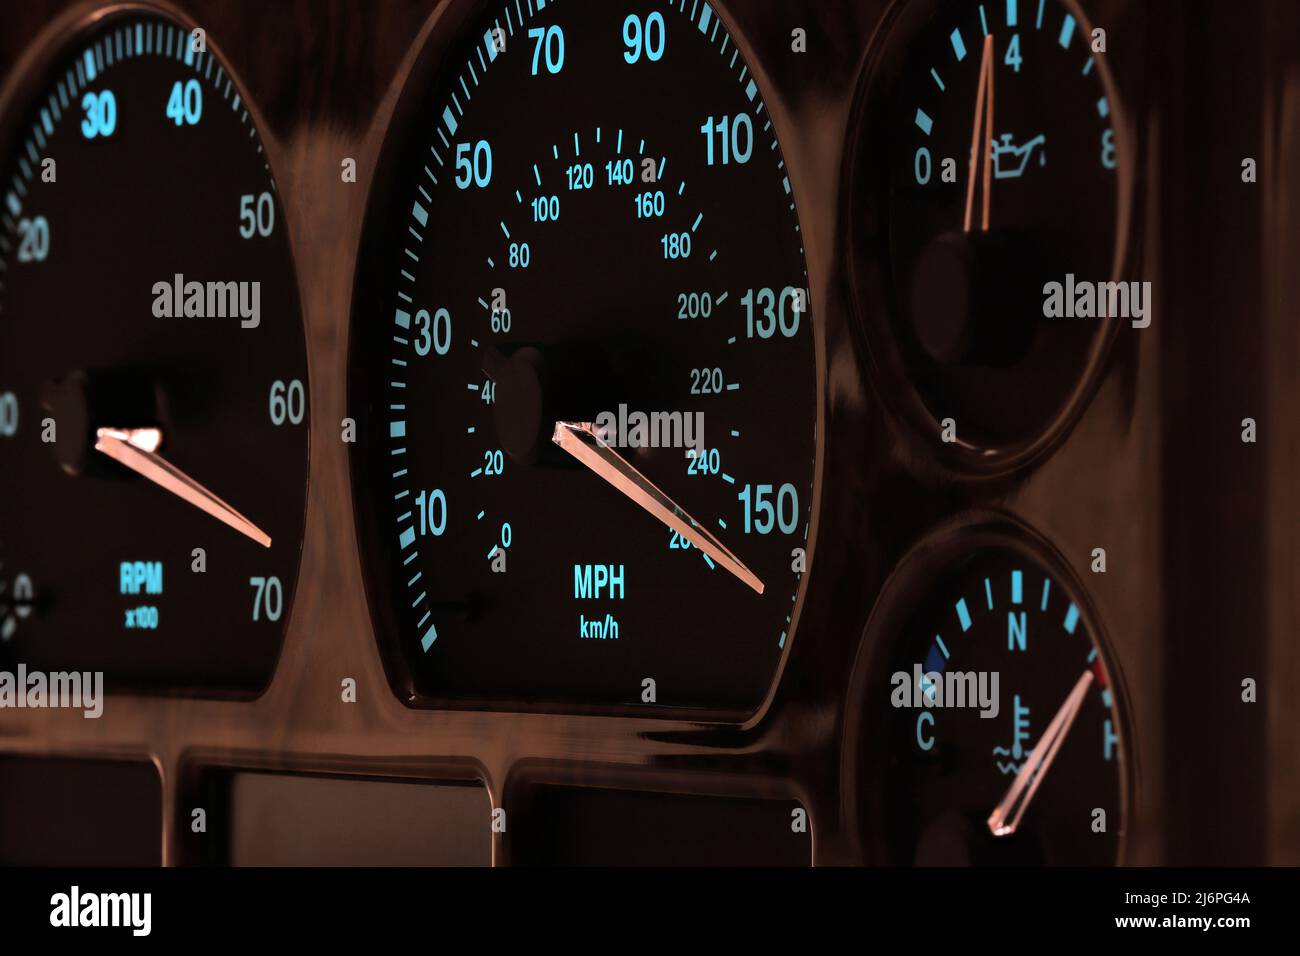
135,448
981,137
580,439
1038,763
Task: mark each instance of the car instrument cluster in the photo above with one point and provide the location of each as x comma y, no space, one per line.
503,432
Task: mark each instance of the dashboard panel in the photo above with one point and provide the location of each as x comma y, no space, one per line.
551,429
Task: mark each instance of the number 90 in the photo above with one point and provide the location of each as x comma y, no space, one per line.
647,38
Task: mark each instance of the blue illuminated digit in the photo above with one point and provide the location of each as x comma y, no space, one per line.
101,114
647,38
1108,149
735,139
677,245
619,173
581,176
268,598
706,381
33,239
256,215
694,305
923,166
432,332
650,205
706,462
288,402
768,312
548,43
432,506
473,164
763,514
8,415
185,105
546,209
1013,59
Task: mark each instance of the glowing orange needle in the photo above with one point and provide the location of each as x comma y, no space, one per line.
583,442
1039,761
981,135
135,449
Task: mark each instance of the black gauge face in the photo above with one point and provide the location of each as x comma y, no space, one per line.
956,254
153,399
591,224
1002,737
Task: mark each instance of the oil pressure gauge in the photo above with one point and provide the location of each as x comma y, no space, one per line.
991,728
992,160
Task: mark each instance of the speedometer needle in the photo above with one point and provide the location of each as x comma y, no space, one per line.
1039,762
581,440
135,448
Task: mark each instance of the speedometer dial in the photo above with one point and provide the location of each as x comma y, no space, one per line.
584,369
153,379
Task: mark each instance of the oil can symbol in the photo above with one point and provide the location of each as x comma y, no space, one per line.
1019,737
1010,161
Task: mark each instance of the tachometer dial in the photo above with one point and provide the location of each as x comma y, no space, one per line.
996,735
153,381
584,369
991,163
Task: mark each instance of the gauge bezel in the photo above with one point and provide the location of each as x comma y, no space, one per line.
28,77
863,756
875,311
441,33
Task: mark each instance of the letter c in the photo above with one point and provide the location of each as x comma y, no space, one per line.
925,743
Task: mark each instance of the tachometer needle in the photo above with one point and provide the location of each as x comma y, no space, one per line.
135,448
981,137
581,440
1038,763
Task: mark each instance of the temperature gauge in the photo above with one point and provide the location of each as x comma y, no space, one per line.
999,736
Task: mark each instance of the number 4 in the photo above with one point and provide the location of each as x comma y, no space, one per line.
1013,59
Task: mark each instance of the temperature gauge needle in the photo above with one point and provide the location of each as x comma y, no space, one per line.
581,440
135,448
1039,762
